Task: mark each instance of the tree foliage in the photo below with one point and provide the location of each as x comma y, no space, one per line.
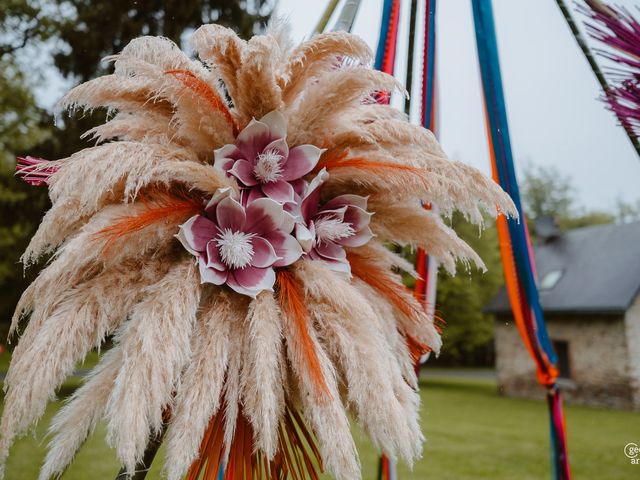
120,21
546,192
78,33
20,130
468,332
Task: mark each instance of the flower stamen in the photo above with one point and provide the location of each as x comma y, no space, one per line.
236,249
268,168
332,229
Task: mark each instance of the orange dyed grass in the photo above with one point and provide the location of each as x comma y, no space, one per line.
416,349
161,207
381,280
298,457
203,89
292,304
365,268
334,159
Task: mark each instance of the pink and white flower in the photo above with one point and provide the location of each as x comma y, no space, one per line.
324,231
262,161
240,246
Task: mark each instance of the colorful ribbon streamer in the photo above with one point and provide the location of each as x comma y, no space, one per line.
514,238
426,266
386,51
385,62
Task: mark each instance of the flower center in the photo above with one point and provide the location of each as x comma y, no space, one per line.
268,166
332,229
236,249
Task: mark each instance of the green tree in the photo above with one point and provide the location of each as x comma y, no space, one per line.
119,21
627,211
468,333
546,192
20,130
79,33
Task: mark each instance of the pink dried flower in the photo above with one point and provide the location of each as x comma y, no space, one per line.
34,171
324,231
261,160
239,246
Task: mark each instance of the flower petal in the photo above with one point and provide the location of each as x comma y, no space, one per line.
280,191
288,222
253,194
263,216
309,205
251,280
277,124
301,160
221,193
264,254
298,186
224,154
337,214
195,233
330,251
360,238
280,146
346,199
210,275
286,247
243,171
341,266
252,140
230,214
213,257
304,237
357,217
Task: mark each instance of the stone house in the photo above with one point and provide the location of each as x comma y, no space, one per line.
589,284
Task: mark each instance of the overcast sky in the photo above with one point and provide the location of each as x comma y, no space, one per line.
554,115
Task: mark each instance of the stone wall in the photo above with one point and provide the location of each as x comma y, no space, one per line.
598,360
632,327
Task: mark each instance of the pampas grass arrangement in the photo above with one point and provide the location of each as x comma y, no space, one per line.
228,231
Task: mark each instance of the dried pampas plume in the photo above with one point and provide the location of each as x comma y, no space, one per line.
291,318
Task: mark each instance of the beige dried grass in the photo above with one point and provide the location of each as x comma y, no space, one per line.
166,115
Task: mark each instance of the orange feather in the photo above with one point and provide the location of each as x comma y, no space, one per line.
337,158
162,208
416,349
298,457
381,280
200,87
389,172
292,304
364,164
400,296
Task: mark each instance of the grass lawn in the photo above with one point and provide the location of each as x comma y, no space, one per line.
472,433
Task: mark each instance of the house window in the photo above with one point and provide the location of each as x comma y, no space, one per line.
562,352
550,279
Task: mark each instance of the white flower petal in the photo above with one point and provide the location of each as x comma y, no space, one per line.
277,124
